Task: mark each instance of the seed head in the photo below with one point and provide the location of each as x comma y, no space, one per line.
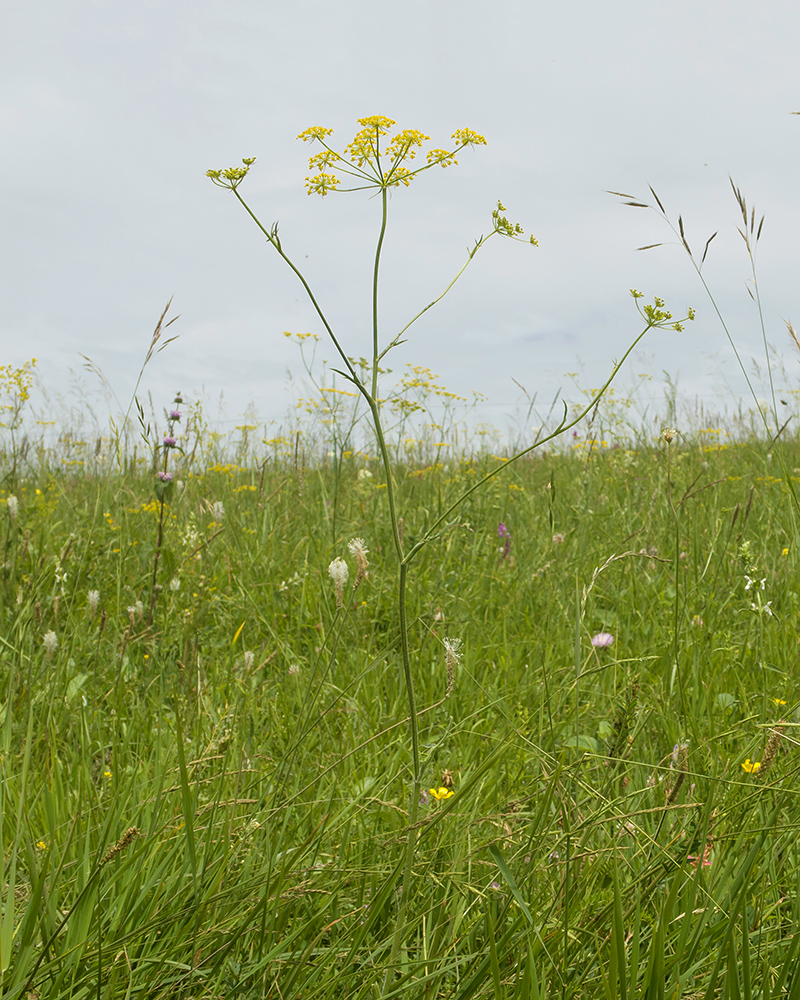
771,750
124,841
359,552
452,657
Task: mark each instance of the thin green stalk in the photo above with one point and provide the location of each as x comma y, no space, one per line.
376,268
272,236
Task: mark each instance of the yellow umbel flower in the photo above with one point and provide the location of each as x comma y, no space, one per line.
315,132
466,137
322,184
379,124
403,144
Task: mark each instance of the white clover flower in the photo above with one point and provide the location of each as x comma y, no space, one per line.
50,640
175,584
13,506
339,574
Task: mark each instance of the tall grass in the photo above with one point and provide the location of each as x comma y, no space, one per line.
256,735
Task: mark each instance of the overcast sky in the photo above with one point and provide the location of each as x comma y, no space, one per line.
111,113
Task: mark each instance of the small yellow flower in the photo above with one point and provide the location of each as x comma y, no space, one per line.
40,845
442,792
751,767
315,132
778,701
466,137
785,552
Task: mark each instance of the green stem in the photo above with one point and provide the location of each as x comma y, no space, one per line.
470,254
276,243
375,352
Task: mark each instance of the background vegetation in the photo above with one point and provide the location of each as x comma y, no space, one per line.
211,801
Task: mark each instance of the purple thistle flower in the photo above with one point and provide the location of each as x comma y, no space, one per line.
165,477
169,442
603,640
174,414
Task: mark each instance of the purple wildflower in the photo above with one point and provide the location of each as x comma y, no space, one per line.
503,532
174,414
165,477
169,442
603,640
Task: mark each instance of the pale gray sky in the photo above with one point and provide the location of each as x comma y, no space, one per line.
111,113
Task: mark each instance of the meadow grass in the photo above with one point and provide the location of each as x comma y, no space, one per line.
604,838
248,750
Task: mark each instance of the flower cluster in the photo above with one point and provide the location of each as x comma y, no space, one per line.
505,534
657,317
366,158
168,443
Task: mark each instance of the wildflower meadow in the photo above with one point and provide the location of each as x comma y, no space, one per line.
380,707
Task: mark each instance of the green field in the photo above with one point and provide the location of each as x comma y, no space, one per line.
362,710
608,834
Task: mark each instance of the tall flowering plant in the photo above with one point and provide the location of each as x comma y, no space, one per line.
377,161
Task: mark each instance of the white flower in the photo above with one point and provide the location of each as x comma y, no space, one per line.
359,552
339,574
13,506
92,600
218,511
50,641
175,584
249,659
754,583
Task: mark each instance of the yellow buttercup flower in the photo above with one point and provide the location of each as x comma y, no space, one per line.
751,767
442,792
